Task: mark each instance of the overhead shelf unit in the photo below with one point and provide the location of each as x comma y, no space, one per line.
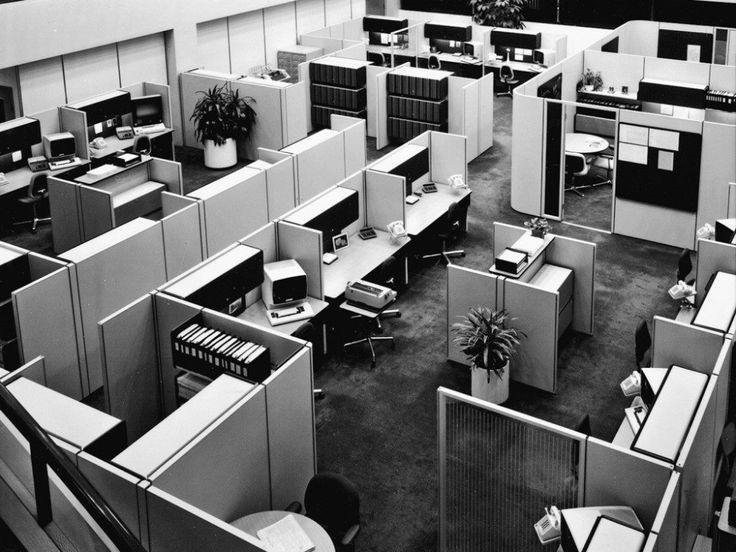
618,101
720,99
672,93
337,86
417,102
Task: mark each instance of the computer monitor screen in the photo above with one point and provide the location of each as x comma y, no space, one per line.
147,110
335,219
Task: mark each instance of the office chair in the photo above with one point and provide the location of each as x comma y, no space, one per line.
604,160
451,228
378,58
142,144
308,332
386,276
332,500
434,62
685,267
725,474
37,192
507,77
642,342
575,165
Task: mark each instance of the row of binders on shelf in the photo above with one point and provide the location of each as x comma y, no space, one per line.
211,352
634,105
323,72
720,99
406,129
335,96
418,87
421,110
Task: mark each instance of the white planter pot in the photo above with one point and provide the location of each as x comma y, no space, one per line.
495,391
220,157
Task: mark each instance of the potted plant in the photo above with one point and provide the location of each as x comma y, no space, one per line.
489,345
221,116
498,13
539,226
590,80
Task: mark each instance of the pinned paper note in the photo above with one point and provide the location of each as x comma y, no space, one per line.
693,52
98,128
665,160
16,156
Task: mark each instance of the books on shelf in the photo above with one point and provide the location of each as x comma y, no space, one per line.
286,535
511,261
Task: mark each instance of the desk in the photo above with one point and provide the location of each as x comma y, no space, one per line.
717,308
160,147
461,66
20,178
256,313
357,260
431,207
587,144
252,523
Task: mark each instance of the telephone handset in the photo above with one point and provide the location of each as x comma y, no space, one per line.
456,182
548,528
396,229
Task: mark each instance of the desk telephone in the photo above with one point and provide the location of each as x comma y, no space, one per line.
548,528
98,143
396,229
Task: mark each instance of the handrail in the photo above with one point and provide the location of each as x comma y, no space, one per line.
45,452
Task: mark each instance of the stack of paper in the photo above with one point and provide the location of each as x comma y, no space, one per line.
286,535
101,171
528,244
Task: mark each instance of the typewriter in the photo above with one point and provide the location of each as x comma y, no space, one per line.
369,294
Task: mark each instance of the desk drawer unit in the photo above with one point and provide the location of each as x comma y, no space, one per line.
556,278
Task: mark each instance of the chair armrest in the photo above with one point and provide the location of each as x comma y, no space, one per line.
350,534
295,507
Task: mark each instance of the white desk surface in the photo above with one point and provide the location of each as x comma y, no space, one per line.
420,72
342,62
104,241
252,523
174,432
674,83
517,66
668,421
115,144
357,260
92,181
716,311
577,142
21,177
215,74
63,417
310,141
610,536
451,58
256,313
7,255
431,207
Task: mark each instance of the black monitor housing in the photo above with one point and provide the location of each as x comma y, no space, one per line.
413,168
105,113
378,24
147,110
725,230
335,218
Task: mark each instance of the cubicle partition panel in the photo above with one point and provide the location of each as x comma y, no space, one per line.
616,70
462,110
535,464
384,198
578,256
663,532
685,345
716,171
264,239
713,256
130,366
182,233
65,214
167,172
190,83
353,132
731,207
280,181
639,38
375,87
33,370
75,121
175,526
448,156
224,470
313,174
327,43
304,245
352,49
723,371
527,132
50,124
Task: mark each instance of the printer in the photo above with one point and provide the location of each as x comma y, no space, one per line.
369,294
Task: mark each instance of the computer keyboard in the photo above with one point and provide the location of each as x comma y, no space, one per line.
289,314
149,129
64,163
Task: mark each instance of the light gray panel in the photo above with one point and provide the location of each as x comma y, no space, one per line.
66,229
712,257
174,525
281,24
685,345
268,130
305,246
666,522
578,256
291,431
354,137
297,116
504,235
212,45
466,288
182,240
280,184
15,453
224,471
167,172
42,85
172,203
533,311
247,43
265,240
130,366
33,370
75,121
97,212
53,333
91,72
143,59
310,15
313,174
620,477
384,198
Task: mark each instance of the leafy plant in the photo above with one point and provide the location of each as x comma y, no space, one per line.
498,13
484,339
538,225
590,78
220,114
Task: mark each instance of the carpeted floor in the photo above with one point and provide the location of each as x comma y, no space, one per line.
378,426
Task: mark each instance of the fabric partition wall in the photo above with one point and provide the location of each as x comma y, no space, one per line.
353,132
712,257
534,463
663,535
182,232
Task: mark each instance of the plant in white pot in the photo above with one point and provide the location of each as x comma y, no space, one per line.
221,116
489,345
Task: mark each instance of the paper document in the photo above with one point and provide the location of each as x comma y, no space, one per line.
528,244
286,535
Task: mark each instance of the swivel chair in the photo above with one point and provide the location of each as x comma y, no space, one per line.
642,342
434,62
307,332
575,165
37,192
507,77
142,144
685,267
378,58
451,227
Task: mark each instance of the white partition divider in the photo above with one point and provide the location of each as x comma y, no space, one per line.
696,463
313,175
663,536
224,470
685,345
462,114
75,121
328,44
264,239
182,233
527,134
232,207
291,429
448,156
616,476
722,370
484,113
713,256
716,171
353,131
65,214
108,272
33,370
280,182
50,124
352,49
304,245
375,88
676,70
504,235
176,526
130,366
384,198
616,69
190,83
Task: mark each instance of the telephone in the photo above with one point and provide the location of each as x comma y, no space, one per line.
548,528
396,229
456,182
3,180
631,385
681,290
98,143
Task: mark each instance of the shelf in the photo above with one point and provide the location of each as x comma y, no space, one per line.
672,93
618,101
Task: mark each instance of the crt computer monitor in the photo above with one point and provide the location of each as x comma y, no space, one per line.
334,219
147,110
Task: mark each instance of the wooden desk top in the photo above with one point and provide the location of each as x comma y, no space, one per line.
256,313
357,260
717,308
252,523
431,207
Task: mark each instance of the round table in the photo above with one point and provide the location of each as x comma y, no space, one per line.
252,523
586,144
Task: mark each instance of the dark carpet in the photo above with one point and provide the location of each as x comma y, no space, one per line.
594,208
378,426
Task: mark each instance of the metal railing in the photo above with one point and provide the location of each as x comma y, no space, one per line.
44,452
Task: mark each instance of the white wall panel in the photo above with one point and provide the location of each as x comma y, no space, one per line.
91,72
42,85
247,43
358,8
310,15
281,24
212,45
143,59
337,11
